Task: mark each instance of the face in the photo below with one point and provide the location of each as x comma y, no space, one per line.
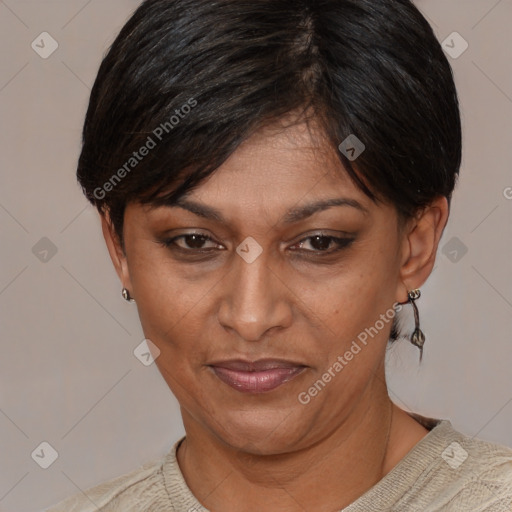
311,279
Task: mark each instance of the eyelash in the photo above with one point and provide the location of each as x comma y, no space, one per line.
342,243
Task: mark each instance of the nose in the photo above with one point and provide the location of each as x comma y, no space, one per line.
255,299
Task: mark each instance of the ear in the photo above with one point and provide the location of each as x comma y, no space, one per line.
420,239
115,249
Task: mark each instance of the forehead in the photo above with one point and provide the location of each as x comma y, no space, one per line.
277,177
279,164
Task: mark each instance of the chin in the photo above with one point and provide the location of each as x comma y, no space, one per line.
260,433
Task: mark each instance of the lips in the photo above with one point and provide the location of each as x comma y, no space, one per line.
256,376
255,366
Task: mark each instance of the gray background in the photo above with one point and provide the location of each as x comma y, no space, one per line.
68,375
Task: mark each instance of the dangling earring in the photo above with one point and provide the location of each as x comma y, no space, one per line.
417,337
126,295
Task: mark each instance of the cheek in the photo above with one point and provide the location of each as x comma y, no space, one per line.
172,314
355,294
167,303
351,305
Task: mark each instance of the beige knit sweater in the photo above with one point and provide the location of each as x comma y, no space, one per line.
445,471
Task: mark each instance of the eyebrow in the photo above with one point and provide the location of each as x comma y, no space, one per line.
292,216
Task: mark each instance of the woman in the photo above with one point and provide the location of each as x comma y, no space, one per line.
273,179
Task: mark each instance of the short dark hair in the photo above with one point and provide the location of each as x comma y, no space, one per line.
189,80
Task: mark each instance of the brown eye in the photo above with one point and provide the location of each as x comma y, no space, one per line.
191,242
322,244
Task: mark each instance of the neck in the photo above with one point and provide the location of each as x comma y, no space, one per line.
337,469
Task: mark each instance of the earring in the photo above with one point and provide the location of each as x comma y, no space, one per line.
126,295
417,337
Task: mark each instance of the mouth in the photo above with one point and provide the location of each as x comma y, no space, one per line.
256,376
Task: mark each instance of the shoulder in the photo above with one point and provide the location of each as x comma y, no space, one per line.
469,453
466,473
446,470
476,457
134,491
486,469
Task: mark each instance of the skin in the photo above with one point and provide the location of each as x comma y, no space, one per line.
269,451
